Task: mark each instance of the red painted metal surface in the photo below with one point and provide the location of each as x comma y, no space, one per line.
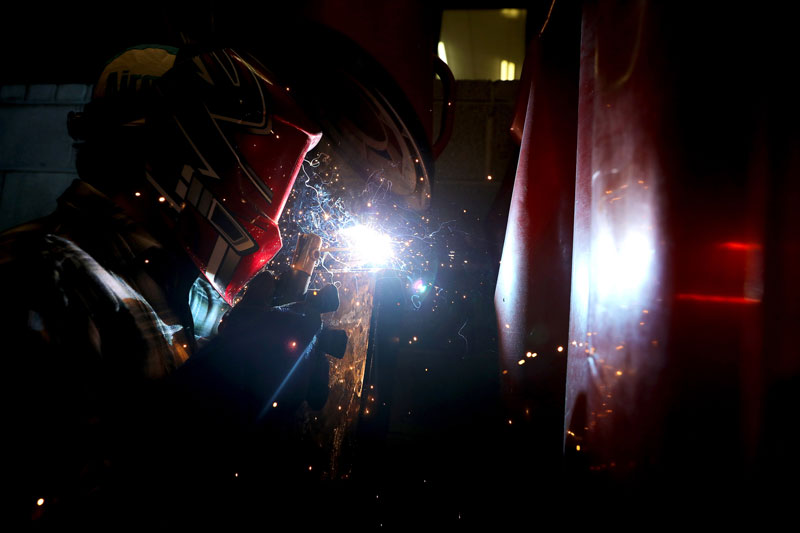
680,362
617,323
532,293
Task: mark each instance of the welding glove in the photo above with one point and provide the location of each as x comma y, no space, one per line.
266,360
265,288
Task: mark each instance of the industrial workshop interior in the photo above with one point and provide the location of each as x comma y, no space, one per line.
406,265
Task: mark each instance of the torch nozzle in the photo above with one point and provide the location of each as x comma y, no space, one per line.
293,284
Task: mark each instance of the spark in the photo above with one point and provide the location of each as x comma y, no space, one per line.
466,342
364,228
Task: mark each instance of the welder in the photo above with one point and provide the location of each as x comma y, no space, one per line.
119,367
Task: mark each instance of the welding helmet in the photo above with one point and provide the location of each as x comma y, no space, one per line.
224,144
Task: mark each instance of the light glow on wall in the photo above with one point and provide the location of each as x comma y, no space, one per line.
507,70
623,264
442,52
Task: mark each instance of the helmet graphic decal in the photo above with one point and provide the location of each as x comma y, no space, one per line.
222,143
254,116
244,141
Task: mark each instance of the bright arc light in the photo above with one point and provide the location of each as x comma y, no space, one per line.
368,247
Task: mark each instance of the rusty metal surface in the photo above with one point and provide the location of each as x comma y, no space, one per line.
332,429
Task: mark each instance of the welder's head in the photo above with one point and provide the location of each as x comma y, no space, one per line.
215,137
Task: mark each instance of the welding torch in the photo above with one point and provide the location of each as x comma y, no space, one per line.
292,287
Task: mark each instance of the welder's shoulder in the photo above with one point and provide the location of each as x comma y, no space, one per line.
18,243
37,265
55,298
32,290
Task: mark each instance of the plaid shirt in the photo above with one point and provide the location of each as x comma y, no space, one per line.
96,313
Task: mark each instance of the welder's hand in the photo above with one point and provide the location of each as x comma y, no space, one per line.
264,355
259,296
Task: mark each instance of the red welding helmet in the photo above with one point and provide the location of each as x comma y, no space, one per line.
225,142
243,143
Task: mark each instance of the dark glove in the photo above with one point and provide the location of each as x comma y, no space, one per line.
265,358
